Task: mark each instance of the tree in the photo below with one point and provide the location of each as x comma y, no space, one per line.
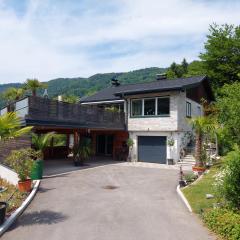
33,85
184,65
82,151
195,68
10,126
222,54
228,106
177,70
201,125
13,94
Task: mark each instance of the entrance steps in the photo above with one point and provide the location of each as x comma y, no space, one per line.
188,160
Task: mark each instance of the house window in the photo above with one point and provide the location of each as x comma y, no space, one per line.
163,106
137,107
188,109
149,107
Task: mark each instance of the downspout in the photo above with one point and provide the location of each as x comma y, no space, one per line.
125,111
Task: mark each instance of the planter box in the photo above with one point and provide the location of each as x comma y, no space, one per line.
198,169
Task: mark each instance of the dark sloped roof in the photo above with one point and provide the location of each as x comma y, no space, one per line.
116,93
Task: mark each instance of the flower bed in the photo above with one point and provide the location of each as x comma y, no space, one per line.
220,219
16,199
196,193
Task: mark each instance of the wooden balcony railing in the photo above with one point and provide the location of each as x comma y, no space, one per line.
44,109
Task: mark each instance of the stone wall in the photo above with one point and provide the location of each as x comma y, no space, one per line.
157,123
7,146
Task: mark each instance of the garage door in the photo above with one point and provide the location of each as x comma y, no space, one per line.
152,149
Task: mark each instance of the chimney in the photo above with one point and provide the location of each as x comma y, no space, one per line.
161,76
115,82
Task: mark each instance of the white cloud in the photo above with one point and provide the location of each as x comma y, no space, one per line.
51,39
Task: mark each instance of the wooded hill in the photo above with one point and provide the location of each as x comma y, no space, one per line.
87,86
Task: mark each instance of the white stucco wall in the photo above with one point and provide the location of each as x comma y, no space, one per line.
3,111
183,124
9,175
22,107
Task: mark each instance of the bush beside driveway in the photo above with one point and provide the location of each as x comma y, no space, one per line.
110,202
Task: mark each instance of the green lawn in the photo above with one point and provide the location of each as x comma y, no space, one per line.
196,193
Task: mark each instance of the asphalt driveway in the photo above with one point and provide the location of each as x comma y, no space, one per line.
112,202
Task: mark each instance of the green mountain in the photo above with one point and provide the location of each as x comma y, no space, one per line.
88,86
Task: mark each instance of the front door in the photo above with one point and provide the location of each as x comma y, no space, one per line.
104,144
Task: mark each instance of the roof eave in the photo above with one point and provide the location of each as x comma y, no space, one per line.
147,91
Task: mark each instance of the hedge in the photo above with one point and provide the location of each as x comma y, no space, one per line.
223,222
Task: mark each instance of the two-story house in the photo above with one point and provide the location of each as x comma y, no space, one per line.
156,113
153,114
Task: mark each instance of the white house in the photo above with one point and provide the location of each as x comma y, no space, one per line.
153,114
156,113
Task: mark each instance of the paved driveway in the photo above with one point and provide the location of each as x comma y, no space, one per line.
112,202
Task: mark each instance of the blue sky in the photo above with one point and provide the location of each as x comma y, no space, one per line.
48,39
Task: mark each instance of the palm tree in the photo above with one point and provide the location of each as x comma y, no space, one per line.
10,126
82,151
33,85
13,94
40,142
201,125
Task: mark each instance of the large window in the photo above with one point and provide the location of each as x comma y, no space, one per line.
137,107
149,107
163,106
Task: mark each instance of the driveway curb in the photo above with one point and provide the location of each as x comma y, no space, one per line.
183,198
20,210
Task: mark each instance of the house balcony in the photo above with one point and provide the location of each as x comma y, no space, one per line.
38,111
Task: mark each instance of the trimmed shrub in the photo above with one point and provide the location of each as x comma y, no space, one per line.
223,222
21,161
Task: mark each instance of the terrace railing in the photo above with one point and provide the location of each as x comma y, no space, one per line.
87,116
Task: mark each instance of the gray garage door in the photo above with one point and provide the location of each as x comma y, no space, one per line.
152,149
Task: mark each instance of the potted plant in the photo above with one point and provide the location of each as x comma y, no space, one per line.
21,161
40,142
3,207
82,151
130,144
